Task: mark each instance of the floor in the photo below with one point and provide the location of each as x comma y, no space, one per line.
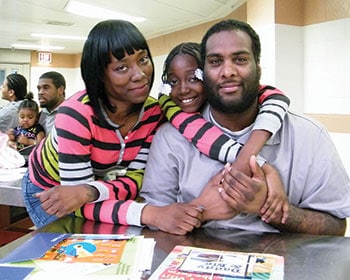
19,226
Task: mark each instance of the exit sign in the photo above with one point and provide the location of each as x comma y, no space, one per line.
44,57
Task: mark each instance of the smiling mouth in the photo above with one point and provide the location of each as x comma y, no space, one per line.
140,87
187,100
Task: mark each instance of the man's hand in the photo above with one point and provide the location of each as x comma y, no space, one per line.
276,206
176,218
215,208
63,200
244,193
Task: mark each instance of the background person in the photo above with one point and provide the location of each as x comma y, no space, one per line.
51,93
29,132
309,167
13,89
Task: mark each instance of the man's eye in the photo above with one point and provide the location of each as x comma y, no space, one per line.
241,60
214,62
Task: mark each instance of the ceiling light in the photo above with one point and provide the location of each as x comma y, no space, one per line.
36,47
88,10
66,37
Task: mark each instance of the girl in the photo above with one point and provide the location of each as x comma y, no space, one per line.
29,132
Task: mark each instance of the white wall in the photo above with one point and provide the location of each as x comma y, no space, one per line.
326,64
311,66
158,70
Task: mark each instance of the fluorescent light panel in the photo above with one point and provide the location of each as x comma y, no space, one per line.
87,10
36,47
56,36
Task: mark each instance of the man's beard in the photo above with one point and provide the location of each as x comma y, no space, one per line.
246,100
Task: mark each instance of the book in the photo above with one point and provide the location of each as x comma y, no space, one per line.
186,262
86,256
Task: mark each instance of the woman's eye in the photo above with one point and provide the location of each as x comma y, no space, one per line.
121,68
144,60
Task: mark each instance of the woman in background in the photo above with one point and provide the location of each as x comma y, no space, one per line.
13,89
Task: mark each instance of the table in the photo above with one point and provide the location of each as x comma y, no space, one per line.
306,256
10,193
11,186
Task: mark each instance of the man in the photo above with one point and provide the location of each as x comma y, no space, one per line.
51,93
14,90
311,172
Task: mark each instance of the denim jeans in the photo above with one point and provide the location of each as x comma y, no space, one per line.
38,216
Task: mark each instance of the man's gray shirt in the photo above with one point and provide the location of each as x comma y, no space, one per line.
302,151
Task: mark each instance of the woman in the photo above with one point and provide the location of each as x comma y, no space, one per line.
93,161
13,89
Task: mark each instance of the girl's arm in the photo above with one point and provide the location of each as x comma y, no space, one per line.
205,136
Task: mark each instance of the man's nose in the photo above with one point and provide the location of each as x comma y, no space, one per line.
229,69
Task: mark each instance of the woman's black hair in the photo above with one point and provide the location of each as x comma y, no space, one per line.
29,103
115,37
18,83
229,25
190,48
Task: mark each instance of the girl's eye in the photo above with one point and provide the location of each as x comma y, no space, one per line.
193,79
173,82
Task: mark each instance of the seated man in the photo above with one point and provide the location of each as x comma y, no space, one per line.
51,94
309,167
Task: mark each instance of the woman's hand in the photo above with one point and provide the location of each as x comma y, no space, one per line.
63,200
176,218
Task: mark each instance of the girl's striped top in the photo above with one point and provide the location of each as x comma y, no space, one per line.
209,139
80,150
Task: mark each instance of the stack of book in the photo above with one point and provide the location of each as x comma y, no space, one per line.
79,256
116,256
185,262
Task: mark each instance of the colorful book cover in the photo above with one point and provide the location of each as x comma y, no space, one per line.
91,256
86,249
186,262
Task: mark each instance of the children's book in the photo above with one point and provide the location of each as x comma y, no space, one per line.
86,256
186,262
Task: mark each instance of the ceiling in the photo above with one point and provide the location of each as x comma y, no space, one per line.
20,18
